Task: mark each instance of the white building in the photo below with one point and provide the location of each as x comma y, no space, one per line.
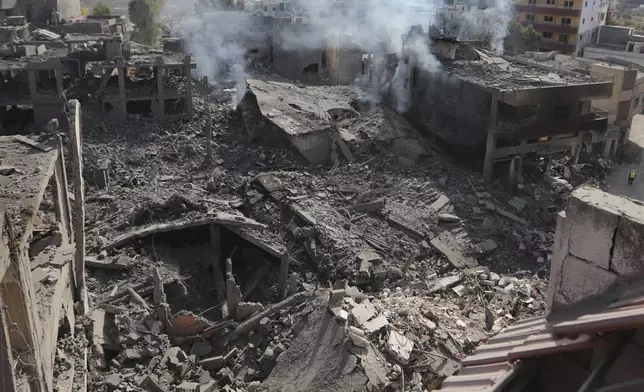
593,15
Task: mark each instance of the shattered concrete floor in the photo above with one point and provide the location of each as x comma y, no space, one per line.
427,260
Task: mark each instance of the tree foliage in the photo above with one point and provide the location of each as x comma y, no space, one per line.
102,9
145,16
85,11
521,38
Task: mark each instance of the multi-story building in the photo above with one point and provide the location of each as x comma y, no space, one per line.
565,25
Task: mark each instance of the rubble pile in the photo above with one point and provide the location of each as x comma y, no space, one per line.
429,260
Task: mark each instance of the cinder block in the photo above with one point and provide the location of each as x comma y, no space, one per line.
628,261
594,226
581,280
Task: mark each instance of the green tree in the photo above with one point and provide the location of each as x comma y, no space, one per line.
145,16
521,38
102,9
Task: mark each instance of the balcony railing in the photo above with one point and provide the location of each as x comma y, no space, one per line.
552,27
547,10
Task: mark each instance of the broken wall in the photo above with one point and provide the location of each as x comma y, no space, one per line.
599,244
299,52
448,107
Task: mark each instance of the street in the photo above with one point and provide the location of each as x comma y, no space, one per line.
617,181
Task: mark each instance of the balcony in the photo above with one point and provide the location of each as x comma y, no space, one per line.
555,28
560,46
547,10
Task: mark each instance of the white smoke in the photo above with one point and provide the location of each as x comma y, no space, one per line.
220,40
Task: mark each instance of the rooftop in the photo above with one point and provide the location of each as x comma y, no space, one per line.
499,73
17,63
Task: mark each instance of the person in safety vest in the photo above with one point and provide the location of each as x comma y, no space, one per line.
631,177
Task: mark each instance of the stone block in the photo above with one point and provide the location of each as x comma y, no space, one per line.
627,259
336,297
581,280
594,230
214,363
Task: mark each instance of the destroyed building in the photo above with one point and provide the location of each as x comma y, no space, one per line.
41,12
496,107
40,70
39,269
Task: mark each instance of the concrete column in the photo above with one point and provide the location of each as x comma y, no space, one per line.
217,271
513,168
490,146
188,72
59,81
76,134
122,106
576,151
160,112
33,89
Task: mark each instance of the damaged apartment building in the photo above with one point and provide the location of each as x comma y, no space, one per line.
40,69
494,107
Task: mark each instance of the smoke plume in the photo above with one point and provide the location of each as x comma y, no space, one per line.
222,41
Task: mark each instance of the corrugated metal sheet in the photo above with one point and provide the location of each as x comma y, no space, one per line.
491,364
498,347
479,378
623,318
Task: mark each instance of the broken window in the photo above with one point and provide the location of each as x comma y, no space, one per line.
636,102
548,18
568,4
563,38
311,69
630,47
530,17
566,21
551,2
546,35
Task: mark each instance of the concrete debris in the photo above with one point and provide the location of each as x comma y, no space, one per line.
363,312
518,203
375,324
488,246
246,309
446,247
399,346
448,218
187,237
440,203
